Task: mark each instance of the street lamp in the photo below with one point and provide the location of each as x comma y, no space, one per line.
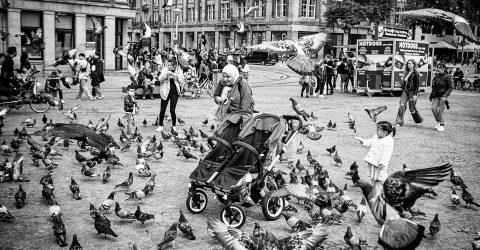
176,11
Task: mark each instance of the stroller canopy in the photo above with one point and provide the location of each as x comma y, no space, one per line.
266,122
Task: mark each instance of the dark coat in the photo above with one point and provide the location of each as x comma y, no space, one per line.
442,86
412,83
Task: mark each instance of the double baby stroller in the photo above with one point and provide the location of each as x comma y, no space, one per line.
235,168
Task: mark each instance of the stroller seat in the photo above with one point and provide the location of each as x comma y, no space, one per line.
262,132
221,153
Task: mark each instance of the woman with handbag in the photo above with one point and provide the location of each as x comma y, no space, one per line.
410,87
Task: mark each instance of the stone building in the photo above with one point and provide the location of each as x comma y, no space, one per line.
67,24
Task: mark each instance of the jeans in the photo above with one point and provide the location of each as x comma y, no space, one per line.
83,88
320,86
329,83
173,98
97,91
308,89
343,82
407,96
438,109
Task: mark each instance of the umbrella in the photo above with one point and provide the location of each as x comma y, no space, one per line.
460,24
301,65
471,47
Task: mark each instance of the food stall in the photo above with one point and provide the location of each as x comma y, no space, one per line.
381,64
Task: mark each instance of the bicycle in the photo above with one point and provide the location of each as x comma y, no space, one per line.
206,85
39,102
471,83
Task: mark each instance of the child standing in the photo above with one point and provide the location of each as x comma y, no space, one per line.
309,83
380,153
130,106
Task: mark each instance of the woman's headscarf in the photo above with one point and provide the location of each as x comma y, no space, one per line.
232,71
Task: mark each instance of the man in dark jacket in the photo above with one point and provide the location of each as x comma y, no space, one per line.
457,78
441,89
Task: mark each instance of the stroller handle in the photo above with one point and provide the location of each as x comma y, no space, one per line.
294,117
221,141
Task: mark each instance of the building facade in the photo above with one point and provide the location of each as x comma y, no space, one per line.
67,24
219,21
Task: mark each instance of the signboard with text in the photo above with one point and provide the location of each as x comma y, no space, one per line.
412,48
385,32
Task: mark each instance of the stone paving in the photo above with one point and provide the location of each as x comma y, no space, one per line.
417,146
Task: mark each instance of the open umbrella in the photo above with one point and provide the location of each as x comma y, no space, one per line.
433,15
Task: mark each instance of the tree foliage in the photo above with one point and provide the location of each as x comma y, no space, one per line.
353,12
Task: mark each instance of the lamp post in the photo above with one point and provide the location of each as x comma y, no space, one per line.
177,12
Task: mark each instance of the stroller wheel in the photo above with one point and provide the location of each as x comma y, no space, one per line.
233,216
272,207
197,202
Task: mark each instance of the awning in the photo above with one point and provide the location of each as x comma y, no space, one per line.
470,47
443,45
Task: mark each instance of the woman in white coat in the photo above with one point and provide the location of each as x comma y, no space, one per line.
380,153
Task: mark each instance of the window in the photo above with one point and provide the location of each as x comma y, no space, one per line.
191,1
259,12
398,18
32,26
155,18
168,16
210,12
224,11
308,8
281,8
63,35
191,15
241,9
155,2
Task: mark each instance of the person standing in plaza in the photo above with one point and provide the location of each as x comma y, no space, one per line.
410,87
441,88
97,76
232,93
342,71
350,75
171,78
82,74
329,69
158,60
309,83
130,106
244,69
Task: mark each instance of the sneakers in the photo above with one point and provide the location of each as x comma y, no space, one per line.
91,99
437,126
441,128
62,101
321,96
159,129
174,128
100,97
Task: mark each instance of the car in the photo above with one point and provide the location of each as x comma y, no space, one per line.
262,57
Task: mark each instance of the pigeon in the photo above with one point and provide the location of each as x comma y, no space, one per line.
145,122
148,32
59,231
329,125
468,198
139,194
187,154
258,231
298,109
352,241
454,198
314,117
106,174
54,209
295,223
87,172
300,148
157,122
127,183
75,189
5,215
185,227
120,124
337,159
396,232
212,128
92,210
44,119
334,125
414,211
435,226
123,214
350,118
108,203
456,179
102,225
352,126
97,27
142,217
180,121
80,158
372,113
20,197
476,242
75,245
169,237
205,122
361,210
332,150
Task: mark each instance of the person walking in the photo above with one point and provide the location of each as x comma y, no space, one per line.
329,69
410,86
441,88
171,78
82,74
321,76
350,75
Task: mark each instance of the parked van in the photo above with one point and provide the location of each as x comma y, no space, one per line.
262,57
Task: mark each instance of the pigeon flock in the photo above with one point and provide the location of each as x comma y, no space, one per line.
309,186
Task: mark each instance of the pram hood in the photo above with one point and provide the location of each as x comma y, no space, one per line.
266,122
235,117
